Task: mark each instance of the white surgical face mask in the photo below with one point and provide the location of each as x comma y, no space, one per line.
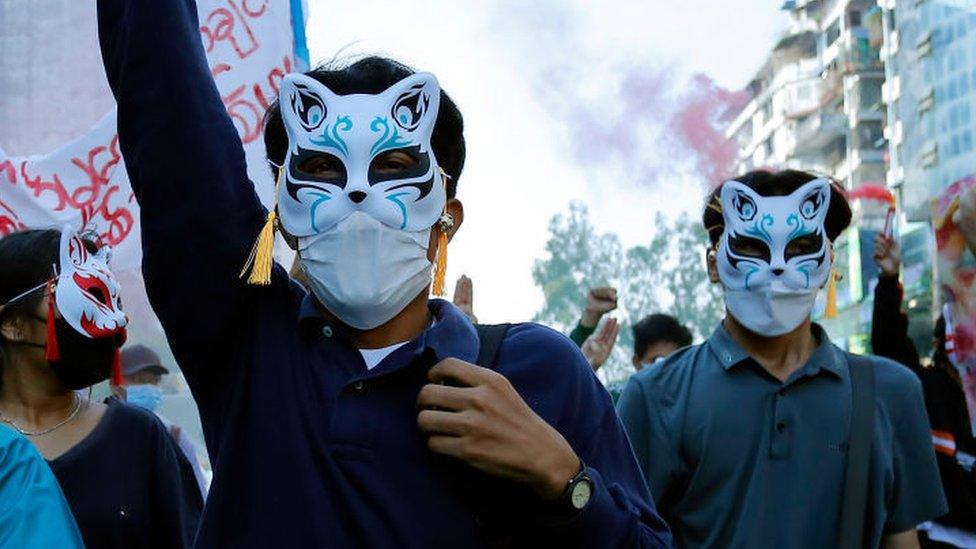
363,271
774,255
362,232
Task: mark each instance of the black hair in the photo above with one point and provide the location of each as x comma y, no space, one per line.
782,183
373,75
656,328
26,259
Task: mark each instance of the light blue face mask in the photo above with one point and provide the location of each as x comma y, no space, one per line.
144,396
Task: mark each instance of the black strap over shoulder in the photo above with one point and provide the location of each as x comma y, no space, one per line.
491,337
856,482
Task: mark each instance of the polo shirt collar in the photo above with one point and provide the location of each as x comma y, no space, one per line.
451,336
824,357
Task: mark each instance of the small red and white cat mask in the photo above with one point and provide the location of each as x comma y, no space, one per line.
87,294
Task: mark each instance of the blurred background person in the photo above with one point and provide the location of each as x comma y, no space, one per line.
945,403
143,373
115,463
655,337
33,512
599,301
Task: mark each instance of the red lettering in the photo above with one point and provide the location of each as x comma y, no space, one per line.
39,186
7,167
245,114
9,222
231,25
254,13
219,68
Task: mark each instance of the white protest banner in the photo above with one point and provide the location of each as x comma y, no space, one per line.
250,44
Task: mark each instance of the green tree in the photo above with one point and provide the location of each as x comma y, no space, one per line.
667,275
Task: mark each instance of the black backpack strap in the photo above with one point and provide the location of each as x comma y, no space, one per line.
491,337
854,505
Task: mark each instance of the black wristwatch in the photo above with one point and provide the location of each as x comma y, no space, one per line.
578,491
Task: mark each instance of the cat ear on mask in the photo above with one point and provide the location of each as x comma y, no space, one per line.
72,249
739,202
414,103
813,200
305,104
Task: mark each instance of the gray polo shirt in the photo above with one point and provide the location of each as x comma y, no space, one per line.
736,458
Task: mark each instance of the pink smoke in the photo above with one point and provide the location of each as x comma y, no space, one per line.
700,122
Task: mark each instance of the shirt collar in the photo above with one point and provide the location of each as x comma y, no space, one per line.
824,357
451,336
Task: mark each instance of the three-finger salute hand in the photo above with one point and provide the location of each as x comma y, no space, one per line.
475,415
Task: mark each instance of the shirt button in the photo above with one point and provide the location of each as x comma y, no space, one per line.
728,358
327,331
358,385
781,426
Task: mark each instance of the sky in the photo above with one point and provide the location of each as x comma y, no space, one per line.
605,103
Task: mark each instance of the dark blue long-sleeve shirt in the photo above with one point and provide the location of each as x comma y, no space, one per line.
311,449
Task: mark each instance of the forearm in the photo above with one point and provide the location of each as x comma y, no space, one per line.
580,333
889,325
611,519
199,213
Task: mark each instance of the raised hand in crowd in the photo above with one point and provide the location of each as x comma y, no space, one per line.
464,297
965,218
599,301
597,347
887,255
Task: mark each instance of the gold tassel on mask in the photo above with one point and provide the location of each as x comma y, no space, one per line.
262,254
444,226
830,312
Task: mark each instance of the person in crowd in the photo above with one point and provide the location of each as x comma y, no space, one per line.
655,337
598,347
59,334
142,373
596,340
945,402
767,434
464,297
600,301
33,512
361,414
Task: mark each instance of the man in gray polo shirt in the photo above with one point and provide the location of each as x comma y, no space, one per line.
744,439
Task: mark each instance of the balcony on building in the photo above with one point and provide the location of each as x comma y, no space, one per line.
817,131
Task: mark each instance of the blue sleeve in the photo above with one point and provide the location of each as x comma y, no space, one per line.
621,512
916,494
176,506
33,511
654,448
199,212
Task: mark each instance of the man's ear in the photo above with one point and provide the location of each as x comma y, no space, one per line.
456,209
711,264
635,360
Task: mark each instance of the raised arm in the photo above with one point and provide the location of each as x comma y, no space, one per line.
200,214
889,325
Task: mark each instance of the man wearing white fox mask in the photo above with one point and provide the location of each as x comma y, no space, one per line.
768,435
363,414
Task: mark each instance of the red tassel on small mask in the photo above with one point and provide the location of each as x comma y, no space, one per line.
117,369
52,352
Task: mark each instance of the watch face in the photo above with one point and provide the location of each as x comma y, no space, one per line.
581,494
